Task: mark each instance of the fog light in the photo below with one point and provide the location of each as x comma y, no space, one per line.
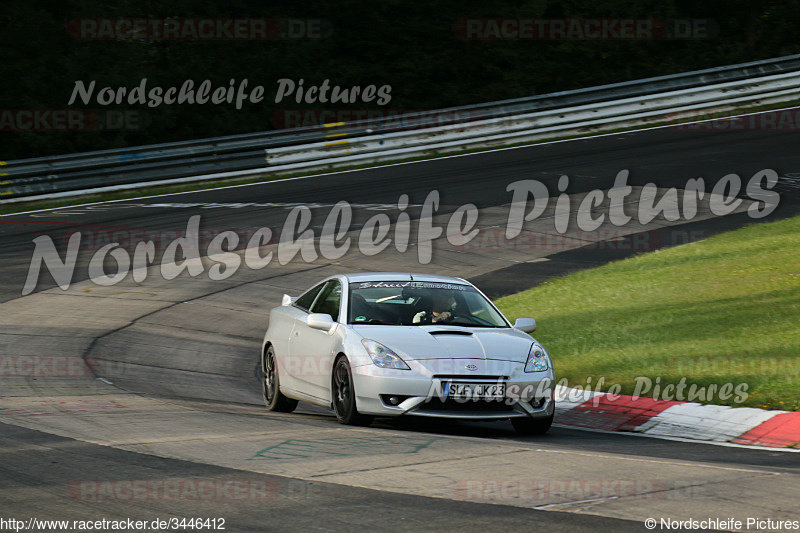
393,400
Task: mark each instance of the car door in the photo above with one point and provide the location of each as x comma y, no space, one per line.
289,366
311,350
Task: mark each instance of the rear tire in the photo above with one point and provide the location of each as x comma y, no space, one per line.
532,426
273,399
344,396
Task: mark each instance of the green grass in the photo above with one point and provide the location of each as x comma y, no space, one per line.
145,190
726,309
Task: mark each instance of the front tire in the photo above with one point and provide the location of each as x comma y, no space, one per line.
273,399
344,396
532,426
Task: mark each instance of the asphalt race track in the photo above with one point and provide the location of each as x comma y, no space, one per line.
180,397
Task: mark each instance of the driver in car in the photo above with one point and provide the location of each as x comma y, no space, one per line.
442,304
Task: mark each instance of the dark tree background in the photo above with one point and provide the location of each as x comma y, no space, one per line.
410,46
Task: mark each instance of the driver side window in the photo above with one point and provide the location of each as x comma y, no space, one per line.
329,299
305,300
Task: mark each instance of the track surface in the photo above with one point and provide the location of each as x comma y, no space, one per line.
667,157
192,344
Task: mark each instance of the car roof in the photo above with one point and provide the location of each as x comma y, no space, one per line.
401,276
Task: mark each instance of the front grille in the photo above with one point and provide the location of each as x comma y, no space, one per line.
436,404
468,377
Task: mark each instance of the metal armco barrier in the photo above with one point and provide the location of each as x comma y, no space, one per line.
673,97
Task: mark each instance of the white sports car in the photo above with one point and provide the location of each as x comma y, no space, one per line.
390,344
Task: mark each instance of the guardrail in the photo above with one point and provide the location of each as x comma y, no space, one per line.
495,123
519,128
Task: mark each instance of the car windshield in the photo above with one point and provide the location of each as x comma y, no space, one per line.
416,303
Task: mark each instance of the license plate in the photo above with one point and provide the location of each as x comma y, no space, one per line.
475,390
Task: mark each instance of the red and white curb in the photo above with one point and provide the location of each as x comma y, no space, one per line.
687,420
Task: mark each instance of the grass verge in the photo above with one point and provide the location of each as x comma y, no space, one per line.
722,310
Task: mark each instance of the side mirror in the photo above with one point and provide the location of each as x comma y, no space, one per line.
320,321
287,300
528,325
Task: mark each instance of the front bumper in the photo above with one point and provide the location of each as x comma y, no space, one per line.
419,391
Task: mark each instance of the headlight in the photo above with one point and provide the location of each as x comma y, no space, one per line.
537,359
383,356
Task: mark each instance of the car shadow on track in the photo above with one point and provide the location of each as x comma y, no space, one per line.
498,429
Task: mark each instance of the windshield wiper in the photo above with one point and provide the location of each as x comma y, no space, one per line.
465,324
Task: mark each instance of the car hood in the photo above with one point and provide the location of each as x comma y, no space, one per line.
449,342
